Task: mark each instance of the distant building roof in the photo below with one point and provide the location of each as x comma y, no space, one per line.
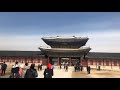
103,55
41,54
62,37
59,42
21,54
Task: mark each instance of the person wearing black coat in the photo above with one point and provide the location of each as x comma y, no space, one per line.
31,72
48,73
40,66
81,67
60,66
88,69
13,72
4,67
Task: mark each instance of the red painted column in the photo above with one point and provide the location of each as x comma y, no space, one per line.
87,62
32,60
119,64
58,61
9,60
48,59
111,63
96,62
41,60
103,62
0,59
3,59
81,61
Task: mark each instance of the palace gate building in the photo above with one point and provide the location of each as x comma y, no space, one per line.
65,49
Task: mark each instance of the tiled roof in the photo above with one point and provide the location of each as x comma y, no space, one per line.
40,54
103,55
21,53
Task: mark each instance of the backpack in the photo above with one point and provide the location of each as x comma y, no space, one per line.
46,73
31,73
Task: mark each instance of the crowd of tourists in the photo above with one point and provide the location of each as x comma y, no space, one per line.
65,65
77,67
26,71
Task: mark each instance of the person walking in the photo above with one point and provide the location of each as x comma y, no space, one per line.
60,66
32,72
88,69
38,67
81,67
17,68
13,72
66,66
47,73
4,67
20,71
0,70
26,66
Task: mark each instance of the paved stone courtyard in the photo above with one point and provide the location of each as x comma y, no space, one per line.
60,73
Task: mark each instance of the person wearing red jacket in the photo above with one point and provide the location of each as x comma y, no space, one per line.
49,66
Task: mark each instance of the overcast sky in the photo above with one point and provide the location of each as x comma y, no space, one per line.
23,30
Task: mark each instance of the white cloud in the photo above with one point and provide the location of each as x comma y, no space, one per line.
20,42
108,41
